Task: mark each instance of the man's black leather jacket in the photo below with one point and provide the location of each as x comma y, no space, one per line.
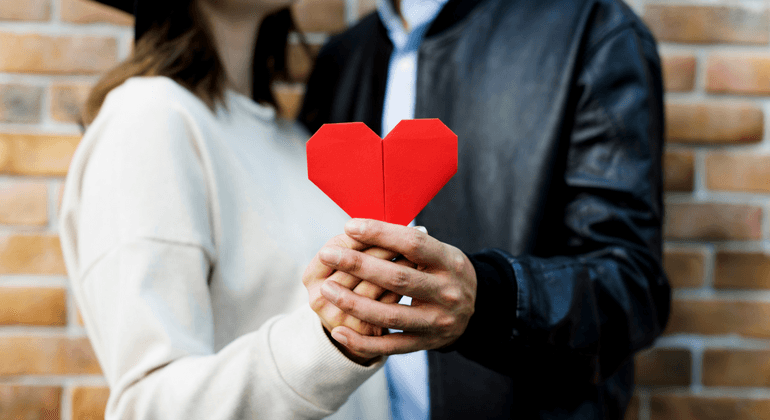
557,200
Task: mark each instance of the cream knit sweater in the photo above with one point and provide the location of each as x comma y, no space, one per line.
185,234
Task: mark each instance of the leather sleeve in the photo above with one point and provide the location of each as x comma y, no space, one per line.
582,313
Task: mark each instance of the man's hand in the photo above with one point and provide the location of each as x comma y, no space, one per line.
442,287
331,316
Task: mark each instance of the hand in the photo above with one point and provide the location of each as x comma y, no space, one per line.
442,287
330,315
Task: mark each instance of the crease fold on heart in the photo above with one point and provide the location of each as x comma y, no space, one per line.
390,179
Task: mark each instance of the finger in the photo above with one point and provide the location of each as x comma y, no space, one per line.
381,253
367,289
390,297
316,270
331,316
397,278
396,343
414,244
399,317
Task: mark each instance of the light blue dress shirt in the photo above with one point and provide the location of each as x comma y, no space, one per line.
407,373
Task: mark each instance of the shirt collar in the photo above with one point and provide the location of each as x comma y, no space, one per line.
418,13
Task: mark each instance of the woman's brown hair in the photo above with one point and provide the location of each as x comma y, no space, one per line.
182,49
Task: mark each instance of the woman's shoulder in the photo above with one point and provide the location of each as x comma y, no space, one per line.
146,121
143,98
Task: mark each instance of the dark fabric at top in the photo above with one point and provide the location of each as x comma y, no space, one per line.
558,108
147,13
124,5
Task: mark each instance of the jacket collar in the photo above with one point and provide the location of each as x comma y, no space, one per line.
453,12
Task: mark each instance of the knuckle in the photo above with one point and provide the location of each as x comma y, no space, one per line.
391,319
415,240
457,261
346,304
444,323
452,296
317,303
352,261
401,278
335,317
368,229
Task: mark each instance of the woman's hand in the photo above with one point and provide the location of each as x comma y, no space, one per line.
330,315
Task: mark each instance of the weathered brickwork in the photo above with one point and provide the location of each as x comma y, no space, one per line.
716,65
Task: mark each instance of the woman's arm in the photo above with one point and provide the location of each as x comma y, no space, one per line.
137,233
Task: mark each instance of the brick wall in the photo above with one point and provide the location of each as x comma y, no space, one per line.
712,363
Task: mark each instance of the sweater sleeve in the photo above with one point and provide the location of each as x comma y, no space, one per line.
137,237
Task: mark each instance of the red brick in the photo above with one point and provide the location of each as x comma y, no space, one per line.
32,53
67,100
708,24
678,170
25,402
663,367
47,356
679,73
738,73
733,367
680,407
712,221
89,403
289,98
715,123
36,154
24,203
31,254
33,306
719,317
87,11
20,104
320,15
748,172
25,10
742,270
684,267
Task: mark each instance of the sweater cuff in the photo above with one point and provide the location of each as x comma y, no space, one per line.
311,364
492,322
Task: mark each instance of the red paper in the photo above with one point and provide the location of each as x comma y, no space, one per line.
391,179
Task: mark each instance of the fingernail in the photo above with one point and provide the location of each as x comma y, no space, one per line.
330,255
329,292
340,338
354,227
421,229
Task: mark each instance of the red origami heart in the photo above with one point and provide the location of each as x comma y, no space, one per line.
389,179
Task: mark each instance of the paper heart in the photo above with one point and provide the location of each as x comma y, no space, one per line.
389,179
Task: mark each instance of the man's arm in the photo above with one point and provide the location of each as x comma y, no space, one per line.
605,295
